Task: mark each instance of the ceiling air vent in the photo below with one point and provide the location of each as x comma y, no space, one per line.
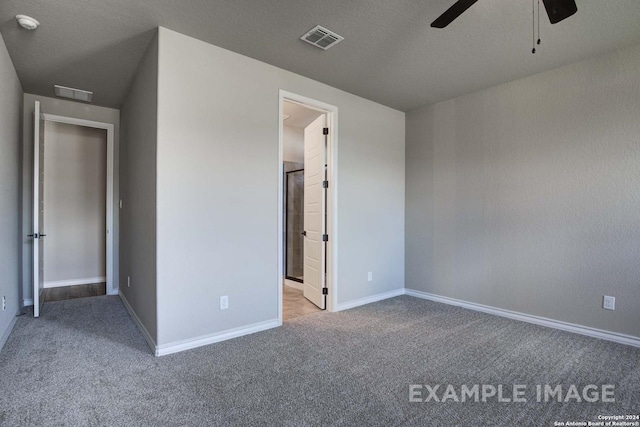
322,38
71,93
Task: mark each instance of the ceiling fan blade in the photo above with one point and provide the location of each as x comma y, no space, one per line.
559,9
452,13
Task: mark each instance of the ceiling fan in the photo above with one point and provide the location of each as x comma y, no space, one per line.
556,9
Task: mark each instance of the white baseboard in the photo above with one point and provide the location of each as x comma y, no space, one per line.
294,284
368,300
28,302
529,318
175,347
74,282
134,316
7,332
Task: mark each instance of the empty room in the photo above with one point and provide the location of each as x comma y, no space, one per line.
363,213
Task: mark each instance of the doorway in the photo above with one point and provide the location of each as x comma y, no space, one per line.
73,188
75,207
307,201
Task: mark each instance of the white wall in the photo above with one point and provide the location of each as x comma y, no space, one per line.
10,117
75,182
68,109
138,177
526,196
218,175
292,144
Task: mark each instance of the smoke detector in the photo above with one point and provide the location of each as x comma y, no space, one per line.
71,93
322,38
27,22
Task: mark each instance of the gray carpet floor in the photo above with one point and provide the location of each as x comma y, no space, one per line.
84,363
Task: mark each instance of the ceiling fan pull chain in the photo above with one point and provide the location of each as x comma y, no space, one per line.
538,21
533,16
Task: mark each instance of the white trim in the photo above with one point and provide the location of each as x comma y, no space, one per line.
293,284
6,334
332,195
112,289
75,282
38,247
280,245
175,347
368,300
529,318
308,103
134,316
28,302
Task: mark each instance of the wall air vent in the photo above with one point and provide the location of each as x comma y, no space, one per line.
322,38
71,93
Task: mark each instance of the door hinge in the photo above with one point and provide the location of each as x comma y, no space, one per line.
325,131
325,291
325,184
325,237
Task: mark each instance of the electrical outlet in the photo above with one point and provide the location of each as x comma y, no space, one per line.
128,281
224,302
4,303
609,303
370,276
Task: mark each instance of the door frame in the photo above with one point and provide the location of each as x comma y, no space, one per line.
109,127
331,278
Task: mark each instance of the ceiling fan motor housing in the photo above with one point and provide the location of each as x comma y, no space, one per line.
557,10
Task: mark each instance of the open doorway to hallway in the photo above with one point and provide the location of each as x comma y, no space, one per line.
72,208
74,177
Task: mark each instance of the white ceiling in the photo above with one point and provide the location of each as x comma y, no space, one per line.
390,53
299,116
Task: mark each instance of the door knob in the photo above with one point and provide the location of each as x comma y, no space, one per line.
304,233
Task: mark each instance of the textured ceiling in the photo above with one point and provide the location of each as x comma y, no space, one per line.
389,55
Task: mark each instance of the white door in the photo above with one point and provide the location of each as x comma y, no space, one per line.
38,211
314,211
